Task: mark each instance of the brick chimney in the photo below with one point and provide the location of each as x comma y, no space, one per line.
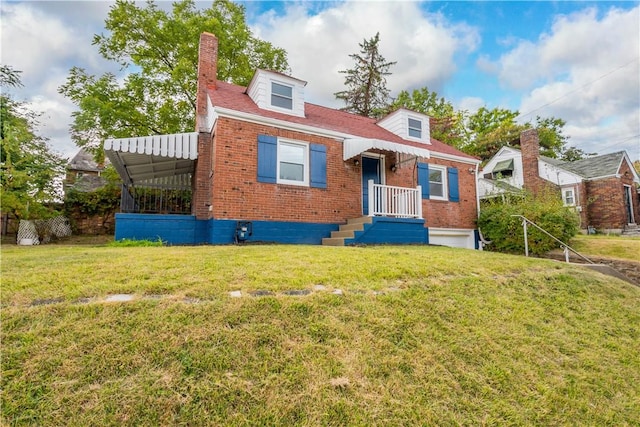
207,70
530,147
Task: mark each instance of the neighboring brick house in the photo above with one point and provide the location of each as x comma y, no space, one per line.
604,189
294,172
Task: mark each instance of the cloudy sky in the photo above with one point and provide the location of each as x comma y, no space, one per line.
579,61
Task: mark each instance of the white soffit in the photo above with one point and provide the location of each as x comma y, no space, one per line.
355,146
146,158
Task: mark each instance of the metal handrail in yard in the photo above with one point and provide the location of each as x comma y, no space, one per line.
566,248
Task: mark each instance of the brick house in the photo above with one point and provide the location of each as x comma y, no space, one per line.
264,165
603,189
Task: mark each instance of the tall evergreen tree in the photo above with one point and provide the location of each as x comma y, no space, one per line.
366,83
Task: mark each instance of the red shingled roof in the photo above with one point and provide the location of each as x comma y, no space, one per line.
233,97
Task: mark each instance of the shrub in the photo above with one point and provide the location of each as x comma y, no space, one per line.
505,231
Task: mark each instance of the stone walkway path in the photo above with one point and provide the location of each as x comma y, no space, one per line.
123,298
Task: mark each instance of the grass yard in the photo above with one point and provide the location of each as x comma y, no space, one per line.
617,247
418,336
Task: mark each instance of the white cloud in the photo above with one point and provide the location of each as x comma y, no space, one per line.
470,104
577,42
585,70
44,40
425,46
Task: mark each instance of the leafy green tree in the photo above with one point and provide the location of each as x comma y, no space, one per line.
552,140
490,130
160,49
572,154
447,124
28,169
366,93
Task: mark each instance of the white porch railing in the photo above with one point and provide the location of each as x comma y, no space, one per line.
399,202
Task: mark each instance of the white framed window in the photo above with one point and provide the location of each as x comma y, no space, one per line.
569,197
415,128
437,182
281,96
293,163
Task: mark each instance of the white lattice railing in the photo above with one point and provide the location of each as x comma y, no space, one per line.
400,202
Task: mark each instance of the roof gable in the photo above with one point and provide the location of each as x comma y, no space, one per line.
84,161
597,166
227,96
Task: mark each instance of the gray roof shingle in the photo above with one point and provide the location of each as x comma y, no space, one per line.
83,161
597,166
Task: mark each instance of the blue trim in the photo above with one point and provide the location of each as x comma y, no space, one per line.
385,230
267,158
318,168
423,179
171,229
454,193
222,232
187,230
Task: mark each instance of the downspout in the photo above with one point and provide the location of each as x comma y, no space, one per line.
478,235
477,192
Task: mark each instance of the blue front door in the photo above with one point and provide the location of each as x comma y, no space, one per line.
370,170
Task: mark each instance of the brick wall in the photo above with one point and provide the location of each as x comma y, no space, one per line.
462,214
606,201
202,182
583,202
626,178
236,194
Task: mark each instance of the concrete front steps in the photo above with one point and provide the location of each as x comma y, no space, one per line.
347,231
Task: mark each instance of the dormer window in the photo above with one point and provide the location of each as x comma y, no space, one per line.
277,92
415,128
407,124
281,96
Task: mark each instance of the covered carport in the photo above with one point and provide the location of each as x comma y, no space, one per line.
156,172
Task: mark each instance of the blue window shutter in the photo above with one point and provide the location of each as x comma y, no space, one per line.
454,193
423,179
267,158
318,165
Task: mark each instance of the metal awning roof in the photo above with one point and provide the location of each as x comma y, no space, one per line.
158,158
354,146
504,165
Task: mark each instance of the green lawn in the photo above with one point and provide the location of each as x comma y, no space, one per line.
618,247
419,336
